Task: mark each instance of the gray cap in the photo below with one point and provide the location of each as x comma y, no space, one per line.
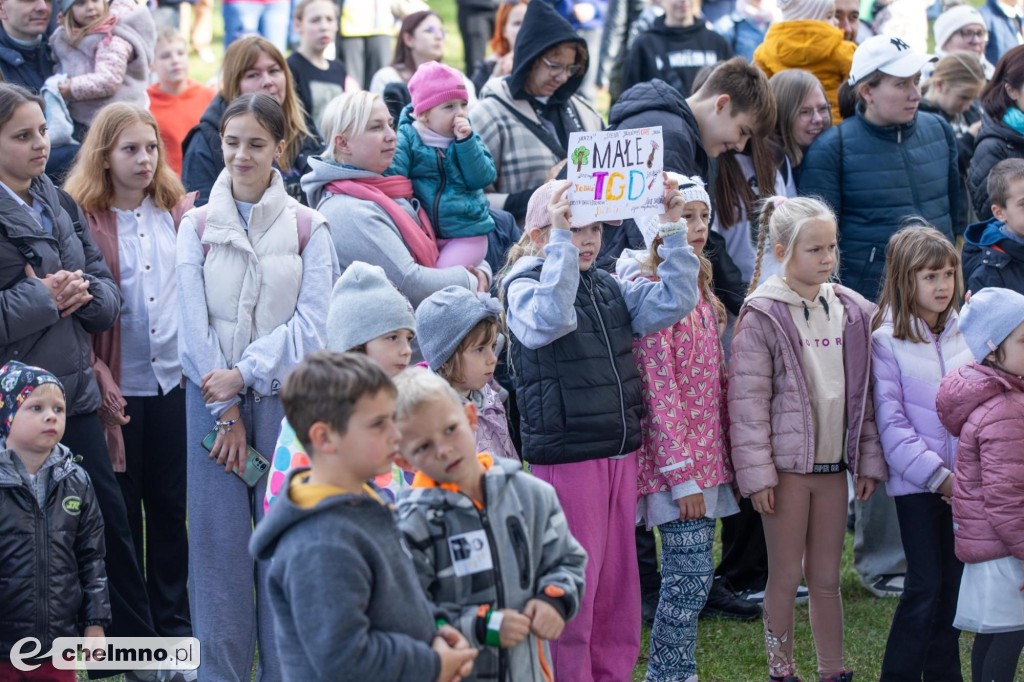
989,318
446,316
365,305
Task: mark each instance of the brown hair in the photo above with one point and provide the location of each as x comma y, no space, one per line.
748,91
499,46
916,247
733,193
326,386
404,59
13,96
89,182
995,100
791,88
850,96
781,221
484,333
999,179
241,56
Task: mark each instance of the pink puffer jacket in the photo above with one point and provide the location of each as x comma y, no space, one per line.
771,427
984,408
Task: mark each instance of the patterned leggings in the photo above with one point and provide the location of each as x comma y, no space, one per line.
686,569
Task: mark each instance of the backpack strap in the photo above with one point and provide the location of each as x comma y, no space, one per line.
303,224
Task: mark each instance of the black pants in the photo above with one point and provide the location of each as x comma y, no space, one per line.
154,479
922,639
995,656
129,603
647,561
744,561
477,27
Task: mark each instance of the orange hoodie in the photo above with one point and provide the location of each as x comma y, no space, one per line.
813,46
176,115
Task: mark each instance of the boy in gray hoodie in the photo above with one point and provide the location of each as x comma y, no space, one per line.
345,597
489,541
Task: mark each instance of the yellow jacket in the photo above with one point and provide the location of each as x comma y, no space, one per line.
813,46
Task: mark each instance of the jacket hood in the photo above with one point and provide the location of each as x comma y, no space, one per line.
985,233
323,171
967,388
800,44
542,29
285,514
999,131
61,458
775,289
651,95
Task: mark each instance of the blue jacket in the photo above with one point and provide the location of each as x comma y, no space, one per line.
448,182
564,8
991,259
873,177
741,33
25,66
1003,31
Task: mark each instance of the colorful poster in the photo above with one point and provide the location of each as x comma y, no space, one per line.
615,174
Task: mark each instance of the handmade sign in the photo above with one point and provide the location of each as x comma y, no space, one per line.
615,174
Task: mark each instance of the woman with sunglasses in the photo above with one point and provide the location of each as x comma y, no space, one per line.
420,40
525,118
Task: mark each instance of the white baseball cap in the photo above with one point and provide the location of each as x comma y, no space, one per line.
888,54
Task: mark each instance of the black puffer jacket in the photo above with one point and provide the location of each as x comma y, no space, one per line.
52,578
995,141
31,329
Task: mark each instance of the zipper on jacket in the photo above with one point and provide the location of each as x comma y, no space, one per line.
439,155
499,589
589,283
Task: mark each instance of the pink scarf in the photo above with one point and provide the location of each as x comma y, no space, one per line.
383,192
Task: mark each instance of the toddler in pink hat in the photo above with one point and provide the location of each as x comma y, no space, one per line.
447,162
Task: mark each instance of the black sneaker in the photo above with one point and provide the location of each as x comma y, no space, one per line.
724,603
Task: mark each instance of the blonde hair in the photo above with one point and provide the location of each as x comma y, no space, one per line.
347,114
418,385
781,220
89,182
916,247
958,68
241,56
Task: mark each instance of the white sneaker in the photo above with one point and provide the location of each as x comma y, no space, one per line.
885,586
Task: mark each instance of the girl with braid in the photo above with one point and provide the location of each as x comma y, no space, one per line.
801,414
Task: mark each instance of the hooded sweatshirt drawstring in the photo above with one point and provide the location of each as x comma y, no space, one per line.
807,311
824,304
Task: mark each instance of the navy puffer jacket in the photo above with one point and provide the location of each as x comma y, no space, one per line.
991,258
875,176
996,142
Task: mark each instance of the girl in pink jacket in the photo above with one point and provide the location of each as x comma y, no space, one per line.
915,343
685,477
983,404
800,415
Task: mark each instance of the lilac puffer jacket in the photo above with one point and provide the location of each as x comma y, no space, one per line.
984,407
907,377
770,423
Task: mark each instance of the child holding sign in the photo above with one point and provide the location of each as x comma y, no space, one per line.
448,163
571,328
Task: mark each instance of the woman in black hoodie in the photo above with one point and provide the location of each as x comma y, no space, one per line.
525,118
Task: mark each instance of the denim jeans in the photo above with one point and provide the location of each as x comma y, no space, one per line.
269,19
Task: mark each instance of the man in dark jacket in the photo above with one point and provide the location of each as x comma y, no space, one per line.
51,531
656,103
25,60
674,49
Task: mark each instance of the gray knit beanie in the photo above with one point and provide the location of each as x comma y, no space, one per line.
989,318
445,317
365,305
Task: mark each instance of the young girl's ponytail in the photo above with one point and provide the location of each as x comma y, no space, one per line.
763,222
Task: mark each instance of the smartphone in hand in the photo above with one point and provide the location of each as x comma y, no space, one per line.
256,465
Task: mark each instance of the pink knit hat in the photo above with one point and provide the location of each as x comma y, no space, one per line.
433,84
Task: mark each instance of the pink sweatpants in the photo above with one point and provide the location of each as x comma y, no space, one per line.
465,251
602,642
805,539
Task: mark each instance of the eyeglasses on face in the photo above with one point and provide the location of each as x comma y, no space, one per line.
555,70
978,34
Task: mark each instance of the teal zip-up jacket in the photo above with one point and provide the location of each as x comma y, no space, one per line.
448,182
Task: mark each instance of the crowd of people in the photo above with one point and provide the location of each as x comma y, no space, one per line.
323,371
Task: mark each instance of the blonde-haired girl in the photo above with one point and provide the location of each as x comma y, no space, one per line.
801,414
917,342
133,203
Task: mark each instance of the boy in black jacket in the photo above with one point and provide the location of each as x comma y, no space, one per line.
994,249
58,589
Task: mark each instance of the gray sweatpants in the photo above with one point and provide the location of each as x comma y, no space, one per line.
877,546
231,613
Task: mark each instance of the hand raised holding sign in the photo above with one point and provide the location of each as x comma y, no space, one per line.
674,202
558,208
